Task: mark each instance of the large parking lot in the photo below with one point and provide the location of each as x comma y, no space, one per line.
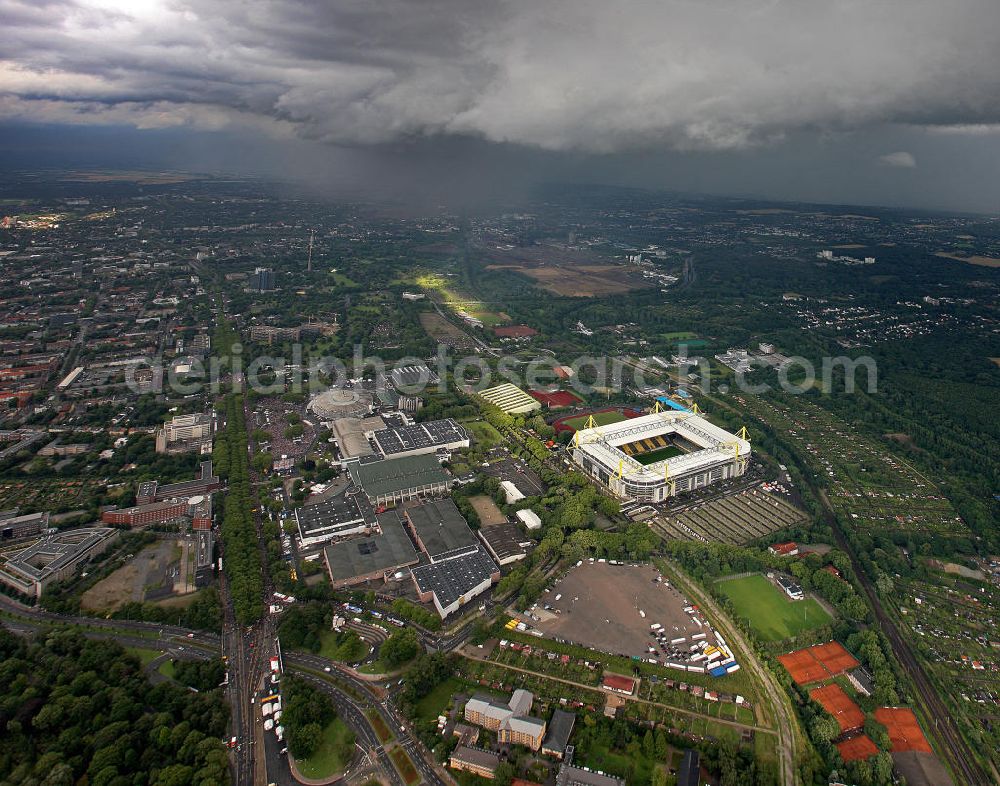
599,607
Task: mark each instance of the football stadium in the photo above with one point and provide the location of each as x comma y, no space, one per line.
657,456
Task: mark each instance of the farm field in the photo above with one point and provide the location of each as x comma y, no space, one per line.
735,519
569,272
769,612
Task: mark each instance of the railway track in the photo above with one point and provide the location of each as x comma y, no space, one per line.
956,749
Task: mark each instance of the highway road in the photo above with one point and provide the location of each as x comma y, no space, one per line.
249,654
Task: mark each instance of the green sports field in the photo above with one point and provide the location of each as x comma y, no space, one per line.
658,455
600,419
772,615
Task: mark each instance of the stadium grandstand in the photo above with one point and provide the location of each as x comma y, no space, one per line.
657,456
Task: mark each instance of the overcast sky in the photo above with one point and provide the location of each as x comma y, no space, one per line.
894,101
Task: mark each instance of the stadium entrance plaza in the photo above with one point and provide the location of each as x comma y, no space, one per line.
600,604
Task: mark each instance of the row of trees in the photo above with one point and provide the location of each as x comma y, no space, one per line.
242,561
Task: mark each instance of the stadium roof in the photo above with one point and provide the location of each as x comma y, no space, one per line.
380,478
424,437
510,398
454,578
390,550
441,528
715,444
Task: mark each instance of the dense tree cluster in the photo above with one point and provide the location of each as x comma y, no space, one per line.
304,625
76,710
204,612
202,675
307,711
402,646
425,673
425,618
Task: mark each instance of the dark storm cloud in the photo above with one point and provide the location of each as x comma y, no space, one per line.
562,75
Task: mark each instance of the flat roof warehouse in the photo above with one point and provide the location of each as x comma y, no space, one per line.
373,557
418,438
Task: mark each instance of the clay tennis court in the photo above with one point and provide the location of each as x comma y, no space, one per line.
860,747
818,662
834,657
556,399
904,731
833,699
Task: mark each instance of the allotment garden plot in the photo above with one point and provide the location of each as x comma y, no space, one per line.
953,624
735,519
869,487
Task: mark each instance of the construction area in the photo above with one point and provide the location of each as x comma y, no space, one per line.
628,610
735,519
163,569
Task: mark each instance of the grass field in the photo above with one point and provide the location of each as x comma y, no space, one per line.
600,418
434,703
144,655
769,612
378,723
351,650
377,666
483,434
333,753
680,335
658,455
